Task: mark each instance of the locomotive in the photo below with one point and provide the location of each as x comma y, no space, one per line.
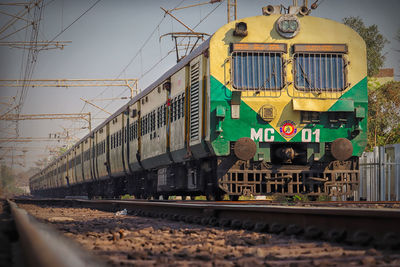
270,104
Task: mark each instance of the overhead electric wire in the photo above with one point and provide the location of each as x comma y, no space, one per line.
156,29
66,28
158,62
32,53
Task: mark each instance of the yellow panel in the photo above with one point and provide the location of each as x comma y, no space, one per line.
319,105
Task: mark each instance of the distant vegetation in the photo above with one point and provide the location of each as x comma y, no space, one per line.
374,40
384,115
383,99
7,182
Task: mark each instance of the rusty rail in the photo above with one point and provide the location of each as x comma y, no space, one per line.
42,246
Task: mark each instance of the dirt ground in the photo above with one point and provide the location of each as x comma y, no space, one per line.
137,241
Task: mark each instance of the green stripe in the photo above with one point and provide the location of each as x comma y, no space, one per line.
233,129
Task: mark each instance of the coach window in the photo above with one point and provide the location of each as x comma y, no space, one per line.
158,117
154,120
135,126
179,107
257,66
320,67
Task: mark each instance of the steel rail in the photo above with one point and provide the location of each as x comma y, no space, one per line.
354,225
42,246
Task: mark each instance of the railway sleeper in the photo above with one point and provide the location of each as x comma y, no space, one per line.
313,232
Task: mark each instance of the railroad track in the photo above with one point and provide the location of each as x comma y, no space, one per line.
359,226
42,246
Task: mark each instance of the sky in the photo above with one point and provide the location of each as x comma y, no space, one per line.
121,39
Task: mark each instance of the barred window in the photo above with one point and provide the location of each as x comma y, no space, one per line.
159,117
164,117
78,159
131,132
257,70
322,72
141,126
150,122
178,108
153,118
146,124
135,130
173,109
182,110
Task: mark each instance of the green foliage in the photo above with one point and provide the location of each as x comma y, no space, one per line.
6,176
397,38
323,198
384,115
374,40
127,196
247,198
281,199
300,198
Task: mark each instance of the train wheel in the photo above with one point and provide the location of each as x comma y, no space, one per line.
213,197
233,197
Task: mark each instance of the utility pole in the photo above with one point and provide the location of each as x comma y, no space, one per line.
90,103
43,45
232,10
57,116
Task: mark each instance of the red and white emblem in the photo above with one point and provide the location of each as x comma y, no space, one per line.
288,129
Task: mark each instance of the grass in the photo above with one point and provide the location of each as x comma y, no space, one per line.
127,196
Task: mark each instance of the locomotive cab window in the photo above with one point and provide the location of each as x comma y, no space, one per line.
257,66
320,67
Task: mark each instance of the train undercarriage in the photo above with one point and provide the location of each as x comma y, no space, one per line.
214,177
334,179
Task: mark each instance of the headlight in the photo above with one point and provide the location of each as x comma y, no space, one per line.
288,25
284,26
293,25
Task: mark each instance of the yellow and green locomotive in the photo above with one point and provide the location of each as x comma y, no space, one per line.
271,104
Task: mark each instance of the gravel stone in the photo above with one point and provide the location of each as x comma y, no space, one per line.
141,241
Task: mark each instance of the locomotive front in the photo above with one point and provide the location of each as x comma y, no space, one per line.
288,105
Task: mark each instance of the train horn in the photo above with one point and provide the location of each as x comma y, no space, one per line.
304,11
268,10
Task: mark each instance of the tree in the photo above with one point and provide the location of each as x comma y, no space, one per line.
6,176
7,182
397,37
384,115
374,40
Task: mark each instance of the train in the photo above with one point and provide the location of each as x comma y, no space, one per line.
274,104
